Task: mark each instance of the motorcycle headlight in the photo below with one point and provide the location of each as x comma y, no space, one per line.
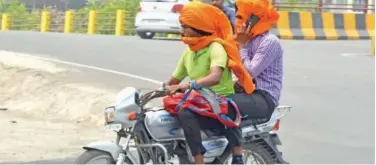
109,114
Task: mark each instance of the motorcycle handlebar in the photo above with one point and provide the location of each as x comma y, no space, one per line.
159,92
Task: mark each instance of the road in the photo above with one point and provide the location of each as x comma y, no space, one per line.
330,85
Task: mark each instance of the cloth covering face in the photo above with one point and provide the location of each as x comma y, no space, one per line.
210,19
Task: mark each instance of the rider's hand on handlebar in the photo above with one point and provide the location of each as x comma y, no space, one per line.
172,89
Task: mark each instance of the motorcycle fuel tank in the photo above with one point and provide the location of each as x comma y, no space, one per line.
162,126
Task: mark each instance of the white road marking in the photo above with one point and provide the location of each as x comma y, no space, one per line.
355,54
88,67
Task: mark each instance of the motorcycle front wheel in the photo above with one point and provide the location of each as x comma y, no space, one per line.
97,157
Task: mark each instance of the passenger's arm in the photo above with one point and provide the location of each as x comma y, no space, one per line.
267,51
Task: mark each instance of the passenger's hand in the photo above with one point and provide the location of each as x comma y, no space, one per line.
238,85
242,35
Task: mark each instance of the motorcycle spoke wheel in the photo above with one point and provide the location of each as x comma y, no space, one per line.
253,158
249,158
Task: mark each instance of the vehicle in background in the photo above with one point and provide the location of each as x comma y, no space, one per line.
158,16
161,16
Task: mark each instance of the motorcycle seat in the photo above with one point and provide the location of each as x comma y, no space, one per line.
249,122
245,123
255,121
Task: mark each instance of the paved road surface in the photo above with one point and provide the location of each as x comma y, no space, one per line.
332,120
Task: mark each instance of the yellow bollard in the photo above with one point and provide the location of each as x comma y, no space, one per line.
45,21
5,22
120,22
373,46
68,22
92,22
173,36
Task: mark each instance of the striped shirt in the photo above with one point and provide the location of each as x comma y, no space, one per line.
262,58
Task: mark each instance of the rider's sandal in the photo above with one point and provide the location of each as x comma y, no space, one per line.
237,159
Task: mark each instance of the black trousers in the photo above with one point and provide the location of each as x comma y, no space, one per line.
256,105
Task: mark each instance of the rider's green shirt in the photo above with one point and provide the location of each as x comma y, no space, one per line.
196,65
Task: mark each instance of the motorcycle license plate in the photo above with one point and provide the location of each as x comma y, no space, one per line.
113,127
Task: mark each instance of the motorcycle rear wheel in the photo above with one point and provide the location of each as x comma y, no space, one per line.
257,153
90,155
260,153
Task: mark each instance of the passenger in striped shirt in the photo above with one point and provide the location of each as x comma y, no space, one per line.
263,59
262,56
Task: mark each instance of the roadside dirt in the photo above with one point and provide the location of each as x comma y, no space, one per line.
43,115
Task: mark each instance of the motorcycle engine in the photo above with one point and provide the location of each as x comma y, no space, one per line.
170,146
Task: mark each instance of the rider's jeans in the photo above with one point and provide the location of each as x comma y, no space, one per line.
192,123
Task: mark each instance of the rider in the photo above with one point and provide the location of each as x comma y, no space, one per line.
261,53
230,13
209,60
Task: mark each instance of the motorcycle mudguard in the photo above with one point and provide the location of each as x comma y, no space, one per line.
109,147
276,139
273,140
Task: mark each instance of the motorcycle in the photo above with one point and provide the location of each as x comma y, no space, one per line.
158,138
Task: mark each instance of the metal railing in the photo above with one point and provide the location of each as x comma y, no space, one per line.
30,21
121,22
57,22
90,22
325,7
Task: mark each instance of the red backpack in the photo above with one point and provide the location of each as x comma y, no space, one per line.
205,102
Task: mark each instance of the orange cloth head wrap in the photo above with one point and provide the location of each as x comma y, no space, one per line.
261,8
210,19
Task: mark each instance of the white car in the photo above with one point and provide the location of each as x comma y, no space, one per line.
160,16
